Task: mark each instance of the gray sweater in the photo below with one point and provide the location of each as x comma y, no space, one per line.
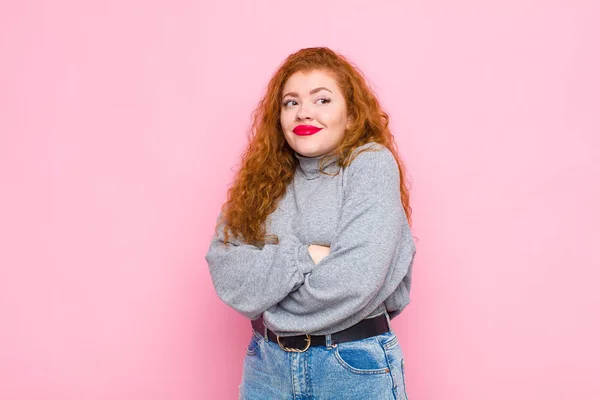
358,214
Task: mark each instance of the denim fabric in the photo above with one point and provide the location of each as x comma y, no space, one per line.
365,369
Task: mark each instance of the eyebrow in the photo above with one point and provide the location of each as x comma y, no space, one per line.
311,92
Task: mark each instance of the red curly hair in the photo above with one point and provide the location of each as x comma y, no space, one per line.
268,163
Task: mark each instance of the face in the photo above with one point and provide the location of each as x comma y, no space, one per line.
314,115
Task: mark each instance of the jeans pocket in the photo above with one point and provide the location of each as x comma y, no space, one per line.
255,341
363,356
404,382
395,357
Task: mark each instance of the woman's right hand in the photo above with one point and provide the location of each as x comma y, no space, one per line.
318,252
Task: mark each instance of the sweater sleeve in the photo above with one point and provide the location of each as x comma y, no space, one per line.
368,258
252,279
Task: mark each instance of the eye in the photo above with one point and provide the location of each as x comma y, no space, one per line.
325,100
285,103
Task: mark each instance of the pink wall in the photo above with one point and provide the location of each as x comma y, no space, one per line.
121,122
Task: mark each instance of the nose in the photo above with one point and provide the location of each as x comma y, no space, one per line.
302,114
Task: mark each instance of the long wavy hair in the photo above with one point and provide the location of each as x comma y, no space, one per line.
268,163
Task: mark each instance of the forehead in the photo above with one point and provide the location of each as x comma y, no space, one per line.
304,81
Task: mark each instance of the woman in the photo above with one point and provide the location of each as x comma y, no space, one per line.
314,242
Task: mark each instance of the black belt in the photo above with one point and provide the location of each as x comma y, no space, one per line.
363,329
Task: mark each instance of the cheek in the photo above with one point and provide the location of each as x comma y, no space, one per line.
286,120
333,116
334,119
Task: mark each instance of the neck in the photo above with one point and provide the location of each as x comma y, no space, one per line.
308,167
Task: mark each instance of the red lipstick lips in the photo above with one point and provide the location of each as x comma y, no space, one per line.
306,130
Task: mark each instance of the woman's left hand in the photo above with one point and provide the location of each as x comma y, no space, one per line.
318,252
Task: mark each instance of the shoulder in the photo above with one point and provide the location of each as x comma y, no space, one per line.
372,160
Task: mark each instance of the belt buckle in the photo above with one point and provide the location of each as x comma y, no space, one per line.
295,350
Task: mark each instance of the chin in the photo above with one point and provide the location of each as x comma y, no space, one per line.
309,151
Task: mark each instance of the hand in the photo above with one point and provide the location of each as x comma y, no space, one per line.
318,252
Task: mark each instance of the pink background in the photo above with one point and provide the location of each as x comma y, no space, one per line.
121,123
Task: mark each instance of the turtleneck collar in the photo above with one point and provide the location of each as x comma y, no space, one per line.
309,166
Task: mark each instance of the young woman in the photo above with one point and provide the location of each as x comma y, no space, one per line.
314,243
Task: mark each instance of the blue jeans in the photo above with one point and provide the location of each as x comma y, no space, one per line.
364,369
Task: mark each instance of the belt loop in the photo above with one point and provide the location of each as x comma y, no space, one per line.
387,316
266,335
328,341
